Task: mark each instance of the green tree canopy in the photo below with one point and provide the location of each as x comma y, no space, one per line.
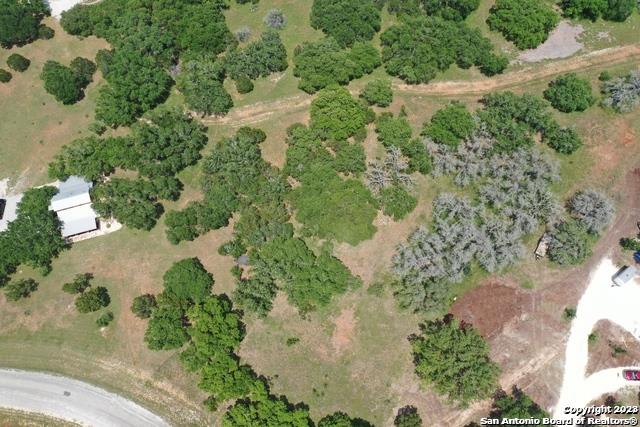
378,92
454,359
527,23
570,93
20,21
201,84
450,124
62,82
80,283
516,405
33,238
336,114
132,202
323,63
167,328
407,416
188,281
570,243
612,10
330,207
455,10
143,305
347,21
419,47
93,300
18,63
20,289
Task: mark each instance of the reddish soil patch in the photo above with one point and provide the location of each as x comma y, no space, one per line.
601,352
490,306
344,331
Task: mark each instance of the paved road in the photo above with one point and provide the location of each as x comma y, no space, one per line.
600,301
72,400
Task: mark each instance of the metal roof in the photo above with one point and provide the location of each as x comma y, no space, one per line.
10,211
77,220
72,192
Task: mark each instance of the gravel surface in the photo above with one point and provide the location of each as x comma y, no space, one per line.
562,43
601,300
72,400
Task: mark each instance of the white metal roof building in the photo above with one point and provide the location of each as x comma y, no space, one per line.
73,206
77,220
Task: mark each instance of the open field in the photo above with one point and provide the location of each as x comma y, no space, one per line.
353,356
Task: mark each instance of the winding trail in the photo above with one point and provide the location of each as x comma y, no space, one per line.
600,301
72,400
261,111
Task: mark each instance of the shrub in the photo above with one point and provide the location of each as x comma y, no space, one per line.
570,243
526,23
84,69
378,92
450,125
79,284
569,93
93,300
15,291
622,93
275,19
563,140
18,62
569,313
407,416
62,82
45,33
243,34
5,76
397,202
104,319
630,244
143,305
591,208
244,84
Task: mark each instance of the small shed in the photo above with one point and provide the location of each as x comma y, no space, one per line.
624,275
243,260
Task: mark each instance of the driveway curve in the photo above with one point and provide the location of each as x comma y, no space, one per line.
600,301
71,400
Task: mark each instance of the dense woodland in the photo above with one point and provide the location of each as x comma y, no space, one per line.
502,157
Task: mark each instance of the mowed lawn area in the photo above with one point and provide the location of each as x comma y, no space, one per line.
34,125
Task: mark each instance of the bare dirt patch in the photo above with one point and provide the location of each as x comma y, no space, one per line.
601,352
345,326
562,43
490,306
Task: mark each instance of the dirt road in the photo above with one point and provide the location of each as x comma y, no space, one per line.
71,400
255,113
600,301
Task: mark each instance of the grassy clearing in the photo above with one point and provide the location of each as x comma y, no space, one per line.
13,418
34,125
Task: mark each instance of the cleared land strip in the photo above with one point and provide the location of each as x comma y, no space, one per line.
255,113
72,400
